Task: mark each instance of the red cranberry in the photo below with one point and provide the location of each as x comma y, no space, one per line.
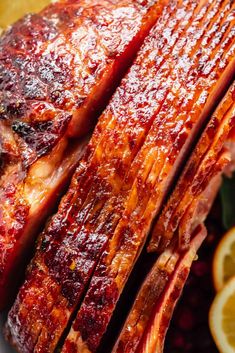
185,319
200,268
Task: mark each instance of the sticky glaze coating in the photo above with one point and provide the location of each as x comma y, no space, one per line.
201,168
50,63
57,71
202,175
189,88
150,308
147,297
154,335
120,185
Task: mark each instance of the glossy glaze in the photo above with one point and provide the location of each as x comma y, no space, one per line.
57,71
155,332
131,161
73,72
201,168
191,201
174,96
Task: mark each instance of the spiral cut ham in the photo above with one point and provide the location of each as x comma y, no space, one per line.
194,186
138,145
89,248
57,72
145,328
173,128
147,323
153,339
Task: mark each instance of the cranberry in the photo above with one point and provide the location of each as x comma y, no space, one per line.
185,319
200,268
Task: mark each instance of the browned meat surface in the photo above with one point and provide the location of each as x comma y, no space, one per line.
147,297
202,167
57,71
202,174
89,248
174,125
154,337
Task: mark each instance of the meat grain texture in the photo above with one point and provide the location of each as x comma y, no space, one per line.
87,251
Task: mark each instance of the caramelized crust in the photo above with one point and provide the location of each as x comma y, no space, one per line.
139,144
57,71
174,123
155,333
146,299
208,161
200,169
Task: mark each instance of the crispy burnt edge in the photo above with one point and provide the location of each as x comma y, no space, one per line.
21,209
35,81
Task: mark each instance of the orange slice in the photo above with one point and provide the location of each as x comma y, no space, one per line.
224,260
222,318
12,10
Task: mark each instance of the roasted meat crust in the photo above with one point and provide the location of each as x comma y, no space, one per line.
192,199
174,124
155,333
52,62
204,164
57,71
147,297
153,306
138,145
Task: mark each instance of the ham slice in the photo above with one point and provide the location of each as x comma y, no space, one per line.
57,72
145,327
165,147
154,337
201,168
87,251
147,297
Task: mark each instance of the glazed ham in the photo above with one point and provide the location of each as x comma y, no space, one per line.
154,337
147,323
57,72
201,170
86,253
173,127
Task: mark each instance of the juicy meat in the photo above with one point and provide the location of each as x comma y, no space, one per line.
204,164
146,299
202,174
138,145
148,320
174,124
57,71
154,336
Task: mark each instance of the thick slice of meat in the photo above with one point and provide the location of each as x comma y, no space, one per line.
146,299
150,301
196,176
164,147
118,188
57,71
146,326
206,181
154,336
